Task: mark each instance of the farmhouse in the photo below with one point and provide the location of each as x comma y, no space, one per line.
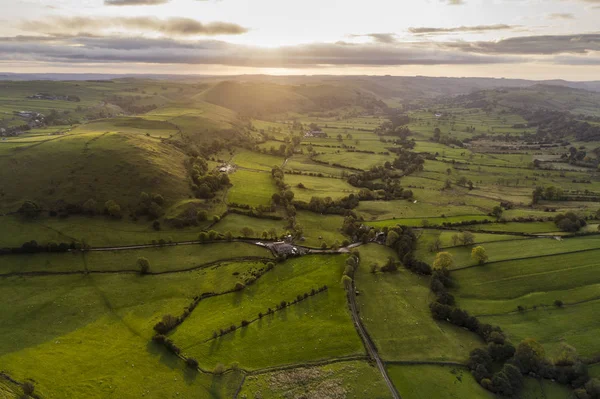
315,133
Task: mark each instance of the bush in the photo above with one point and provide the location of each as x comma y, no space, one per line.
28,388
219,369
144,265
558,303
191,363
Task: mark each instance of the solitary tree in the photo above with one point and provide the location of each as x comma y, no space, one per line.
144,265
468,238
90,206
28,388
443,260
497,211
478,254
247,231
436,245
29,209
202,216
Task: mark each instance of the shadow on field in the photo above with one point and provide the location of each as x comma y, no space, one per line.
165,357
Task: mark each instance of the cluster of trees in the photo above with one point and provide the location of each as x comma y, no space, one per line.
388,189
207,185
408,162
327,205
404,241
445,139
559,125
32,246
549,193
529,358
150,205
569,222
29,210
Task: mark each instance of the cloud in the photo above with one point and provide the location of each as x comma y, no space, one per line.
379,37
174,26
561,15
92,49
134,2
454,2
478,28
540,45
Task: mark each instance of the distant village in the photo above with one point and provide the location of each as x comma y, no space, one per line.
54,97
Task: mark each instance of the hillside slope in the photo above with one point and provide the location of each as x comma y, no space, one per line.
83,165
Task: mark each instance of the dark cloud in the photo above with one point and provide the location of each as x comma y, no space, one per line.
175,26
91,49
561,15
581,49
540,45
134,2
478,28
379,37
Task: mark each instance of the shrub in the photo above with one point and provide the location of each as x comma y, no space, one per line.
558,303
219,369
143,265
28,388
191,363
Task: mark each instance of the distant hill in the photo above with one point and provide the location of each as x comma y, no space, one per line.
555,98
257,99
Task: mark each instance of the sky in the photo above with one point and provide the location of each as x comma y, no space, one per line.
531,39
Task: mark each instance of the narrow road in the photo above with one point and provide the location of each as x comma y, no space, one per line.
369,345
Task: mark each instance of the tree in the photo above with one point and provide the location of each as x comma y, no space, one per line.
30,209
202,216
468,238
144,265
247,232
443,260
391,238
436,245
113,209
529,355
28,388
455,239
497,211
479,255
90,206
191,363
219,369
202,236
228,236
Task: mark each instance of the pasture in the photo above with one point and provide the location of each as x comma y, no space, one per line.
295,334
406,330
251,188
351,379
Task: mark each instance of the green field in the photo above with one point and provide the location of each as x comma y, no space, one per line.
406,330
251,188
318,187
293,335
166,259
518,249
420,381
80,324
318,229
348,380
